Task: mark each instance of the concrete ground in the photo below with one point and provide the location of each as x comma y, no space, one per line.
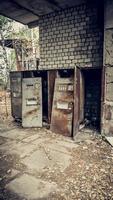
37,164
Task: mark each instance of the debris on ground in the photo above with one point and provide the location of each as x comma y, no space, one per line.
82,170
38,164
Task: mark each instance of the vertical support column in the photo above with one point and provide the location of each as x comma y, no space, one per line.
107,120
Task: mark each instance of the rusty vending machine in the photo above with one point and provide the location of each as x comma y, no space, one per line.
32,96
32,102
63,104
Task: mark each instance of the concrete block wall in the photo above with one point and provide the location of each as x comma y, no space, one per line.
108,64
71,37
108,99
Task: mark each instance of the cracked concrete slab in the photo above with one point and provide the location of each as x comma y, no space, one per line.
29,187
22,149
8,145
31,138
62,160
18,148
37,160
41,141
15,134
56,147
45,158
43,163
4,127
66,145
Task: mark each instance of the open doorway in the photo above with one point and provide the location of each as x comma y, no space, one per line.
92,98
87,103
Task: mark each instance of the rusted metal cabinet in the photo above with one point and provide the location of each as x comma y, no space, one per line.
32,102
16,94
62,110
48,80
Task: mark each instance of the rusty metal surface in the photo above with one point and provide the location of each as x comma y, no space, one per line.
51,84
32,102
16,94
62,110
76,101
82,95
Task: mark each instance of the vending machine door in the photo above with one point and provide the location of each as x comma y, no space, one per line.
32,102
16,94
62,110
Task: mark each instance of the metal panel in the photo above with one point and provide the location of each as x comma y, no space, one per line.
32,102
51,84
62,111
82,95
16,94
76,101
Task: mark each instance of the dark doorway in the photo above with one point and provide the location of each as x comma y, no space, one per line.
92,98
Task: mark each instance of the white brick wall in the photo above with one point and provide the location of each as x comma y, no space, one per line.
71,37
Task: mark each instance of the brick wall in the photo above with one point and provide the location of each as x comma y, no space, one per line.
71,37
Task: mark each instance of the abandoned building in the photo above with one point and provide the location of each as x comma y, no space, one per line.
76,62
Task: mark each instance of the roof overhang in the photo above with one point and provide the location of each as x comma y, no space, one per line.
29,11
